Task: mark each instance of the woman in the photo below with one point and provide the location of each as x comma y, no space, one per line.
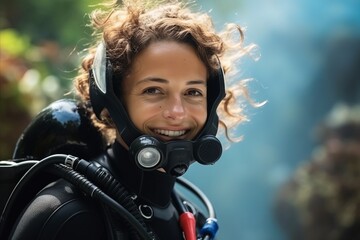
152,85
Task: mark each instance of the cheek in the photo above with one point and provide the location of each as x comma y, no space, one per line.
200,115
139,113
132,111
135,116
203,118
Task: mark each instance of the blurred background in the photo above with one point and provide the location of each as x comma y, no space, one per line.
310,61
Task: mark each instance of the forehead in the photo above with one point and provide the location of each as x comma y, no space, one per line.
172,50
169,58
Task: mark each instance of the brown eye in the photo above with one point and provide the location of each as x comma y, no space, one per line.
194,92
151,91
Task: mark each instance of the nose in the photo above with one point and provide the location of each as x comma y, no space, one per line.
175,109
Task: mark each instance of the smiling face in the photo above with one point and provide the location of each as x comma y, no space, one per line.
165,92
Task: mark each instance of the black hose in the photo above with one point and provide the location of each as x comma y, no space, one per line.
57,158
102,178
76,179
177,202
210,228
88,187
195,190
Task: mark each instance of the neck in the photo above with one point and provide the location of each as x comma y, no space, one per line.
154,187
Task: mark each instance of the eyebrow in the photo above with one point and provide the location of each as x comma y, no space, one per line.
161,80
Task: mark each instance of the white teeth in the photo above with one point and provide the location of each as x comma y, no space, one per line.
170,133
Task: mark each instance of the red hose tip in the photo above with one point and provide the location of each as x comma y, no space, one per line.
188,225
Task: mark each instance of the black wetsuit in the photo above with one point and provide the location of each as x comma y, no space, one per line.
62,211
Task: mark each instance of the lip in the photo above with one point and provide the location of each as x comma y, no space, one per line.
167,134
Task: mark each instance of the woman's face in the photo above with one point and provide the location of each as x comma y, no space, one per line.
165,92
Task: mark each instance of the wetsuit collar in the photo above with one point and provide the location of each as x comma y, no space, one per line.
152,186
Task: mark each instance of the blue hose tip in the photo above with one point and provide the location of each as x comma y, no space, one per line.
210,228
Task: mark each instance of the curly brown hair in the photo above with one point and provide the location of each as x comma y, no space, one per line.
129,28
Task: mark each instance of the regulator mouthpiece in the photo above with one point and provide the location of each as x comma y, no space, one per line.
148,157
176,156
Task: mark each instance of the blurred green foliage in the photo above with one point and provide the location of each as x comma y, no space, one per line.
39,45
